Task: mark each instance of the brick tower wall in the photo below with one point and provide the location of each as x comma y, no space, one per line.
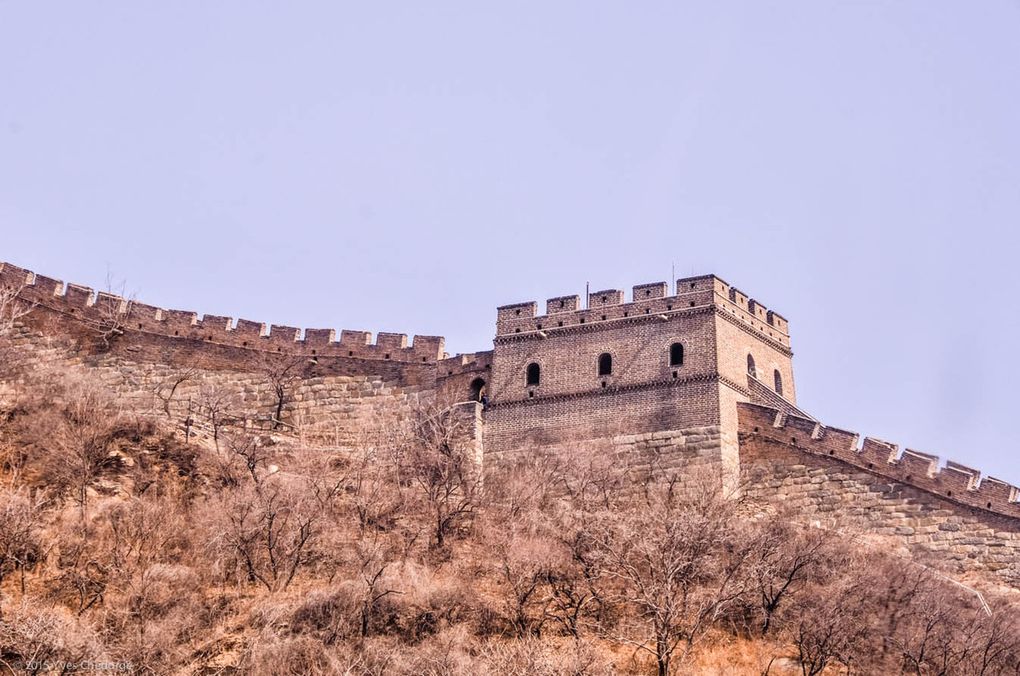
574,408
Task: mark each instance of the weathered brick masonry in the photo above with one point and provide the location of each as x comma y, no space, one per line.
697,375
948,516
660,362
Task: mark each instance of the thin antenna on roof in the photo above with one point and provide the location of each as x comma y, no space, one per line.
587,294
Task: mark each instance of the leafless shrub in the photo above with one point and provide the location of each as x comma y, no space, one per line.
140,532
524,562
83,572
13,308
831,625
674,563
784,558
996,640
20,541
430,603
266,529
372,558
450,652
33,637
110,313
576,585
281,373
947,630
375,490
530,484
218,405
376,551
330,615
166,389
596,482
443,469
154,617
71,438
294,656
533,656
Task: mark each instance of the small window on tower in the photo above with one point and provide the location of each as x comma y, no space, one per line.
605,364
676,354
778,378
534,374
751,371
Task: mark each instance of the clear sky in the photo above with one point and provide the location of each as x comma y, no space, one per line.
410,166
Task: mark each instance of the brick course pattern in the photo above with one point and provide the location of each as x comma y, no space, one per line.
950,517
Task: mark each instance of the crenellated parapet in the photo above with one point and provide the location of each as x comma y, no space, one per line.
471,363
955,482
106,309
648,302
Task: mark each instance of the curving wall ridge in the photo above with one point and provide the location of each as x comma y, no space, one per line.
181,336
953,482
82,303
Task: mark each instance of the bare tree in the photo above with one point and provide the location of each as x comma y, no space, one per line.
523,561
166,389
373,558
783,559
997,640
673,566
218,404
577,597
940,635
248,449
281,373
20,542
13,308
83,574
443,469
110,313
268,528
81,434
376,495
831,623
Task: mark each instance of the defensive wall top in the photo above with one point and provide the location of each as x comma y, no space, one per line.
82,303
954,481
646,299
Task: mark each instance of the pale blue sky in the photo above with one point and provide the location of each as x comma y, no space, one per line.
403,167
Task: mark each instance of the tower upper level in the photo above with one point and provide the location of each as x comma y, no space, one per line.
649,302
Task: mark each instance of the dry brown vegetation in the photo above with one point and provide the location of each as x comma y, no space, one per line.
235,551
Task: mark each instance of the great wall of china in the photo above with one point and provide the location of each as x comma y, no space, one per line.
700,376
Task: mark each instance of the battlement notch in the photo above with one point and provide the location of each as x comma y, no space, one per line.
84,304
652,299
954,482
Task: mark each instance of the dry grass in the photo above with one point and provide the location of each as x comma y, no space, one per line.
255,554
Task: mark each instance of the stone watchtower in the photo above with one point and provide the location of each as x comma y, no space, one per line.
660,363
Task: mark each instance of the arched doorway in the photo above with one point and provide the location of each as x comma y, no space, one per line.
477,389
